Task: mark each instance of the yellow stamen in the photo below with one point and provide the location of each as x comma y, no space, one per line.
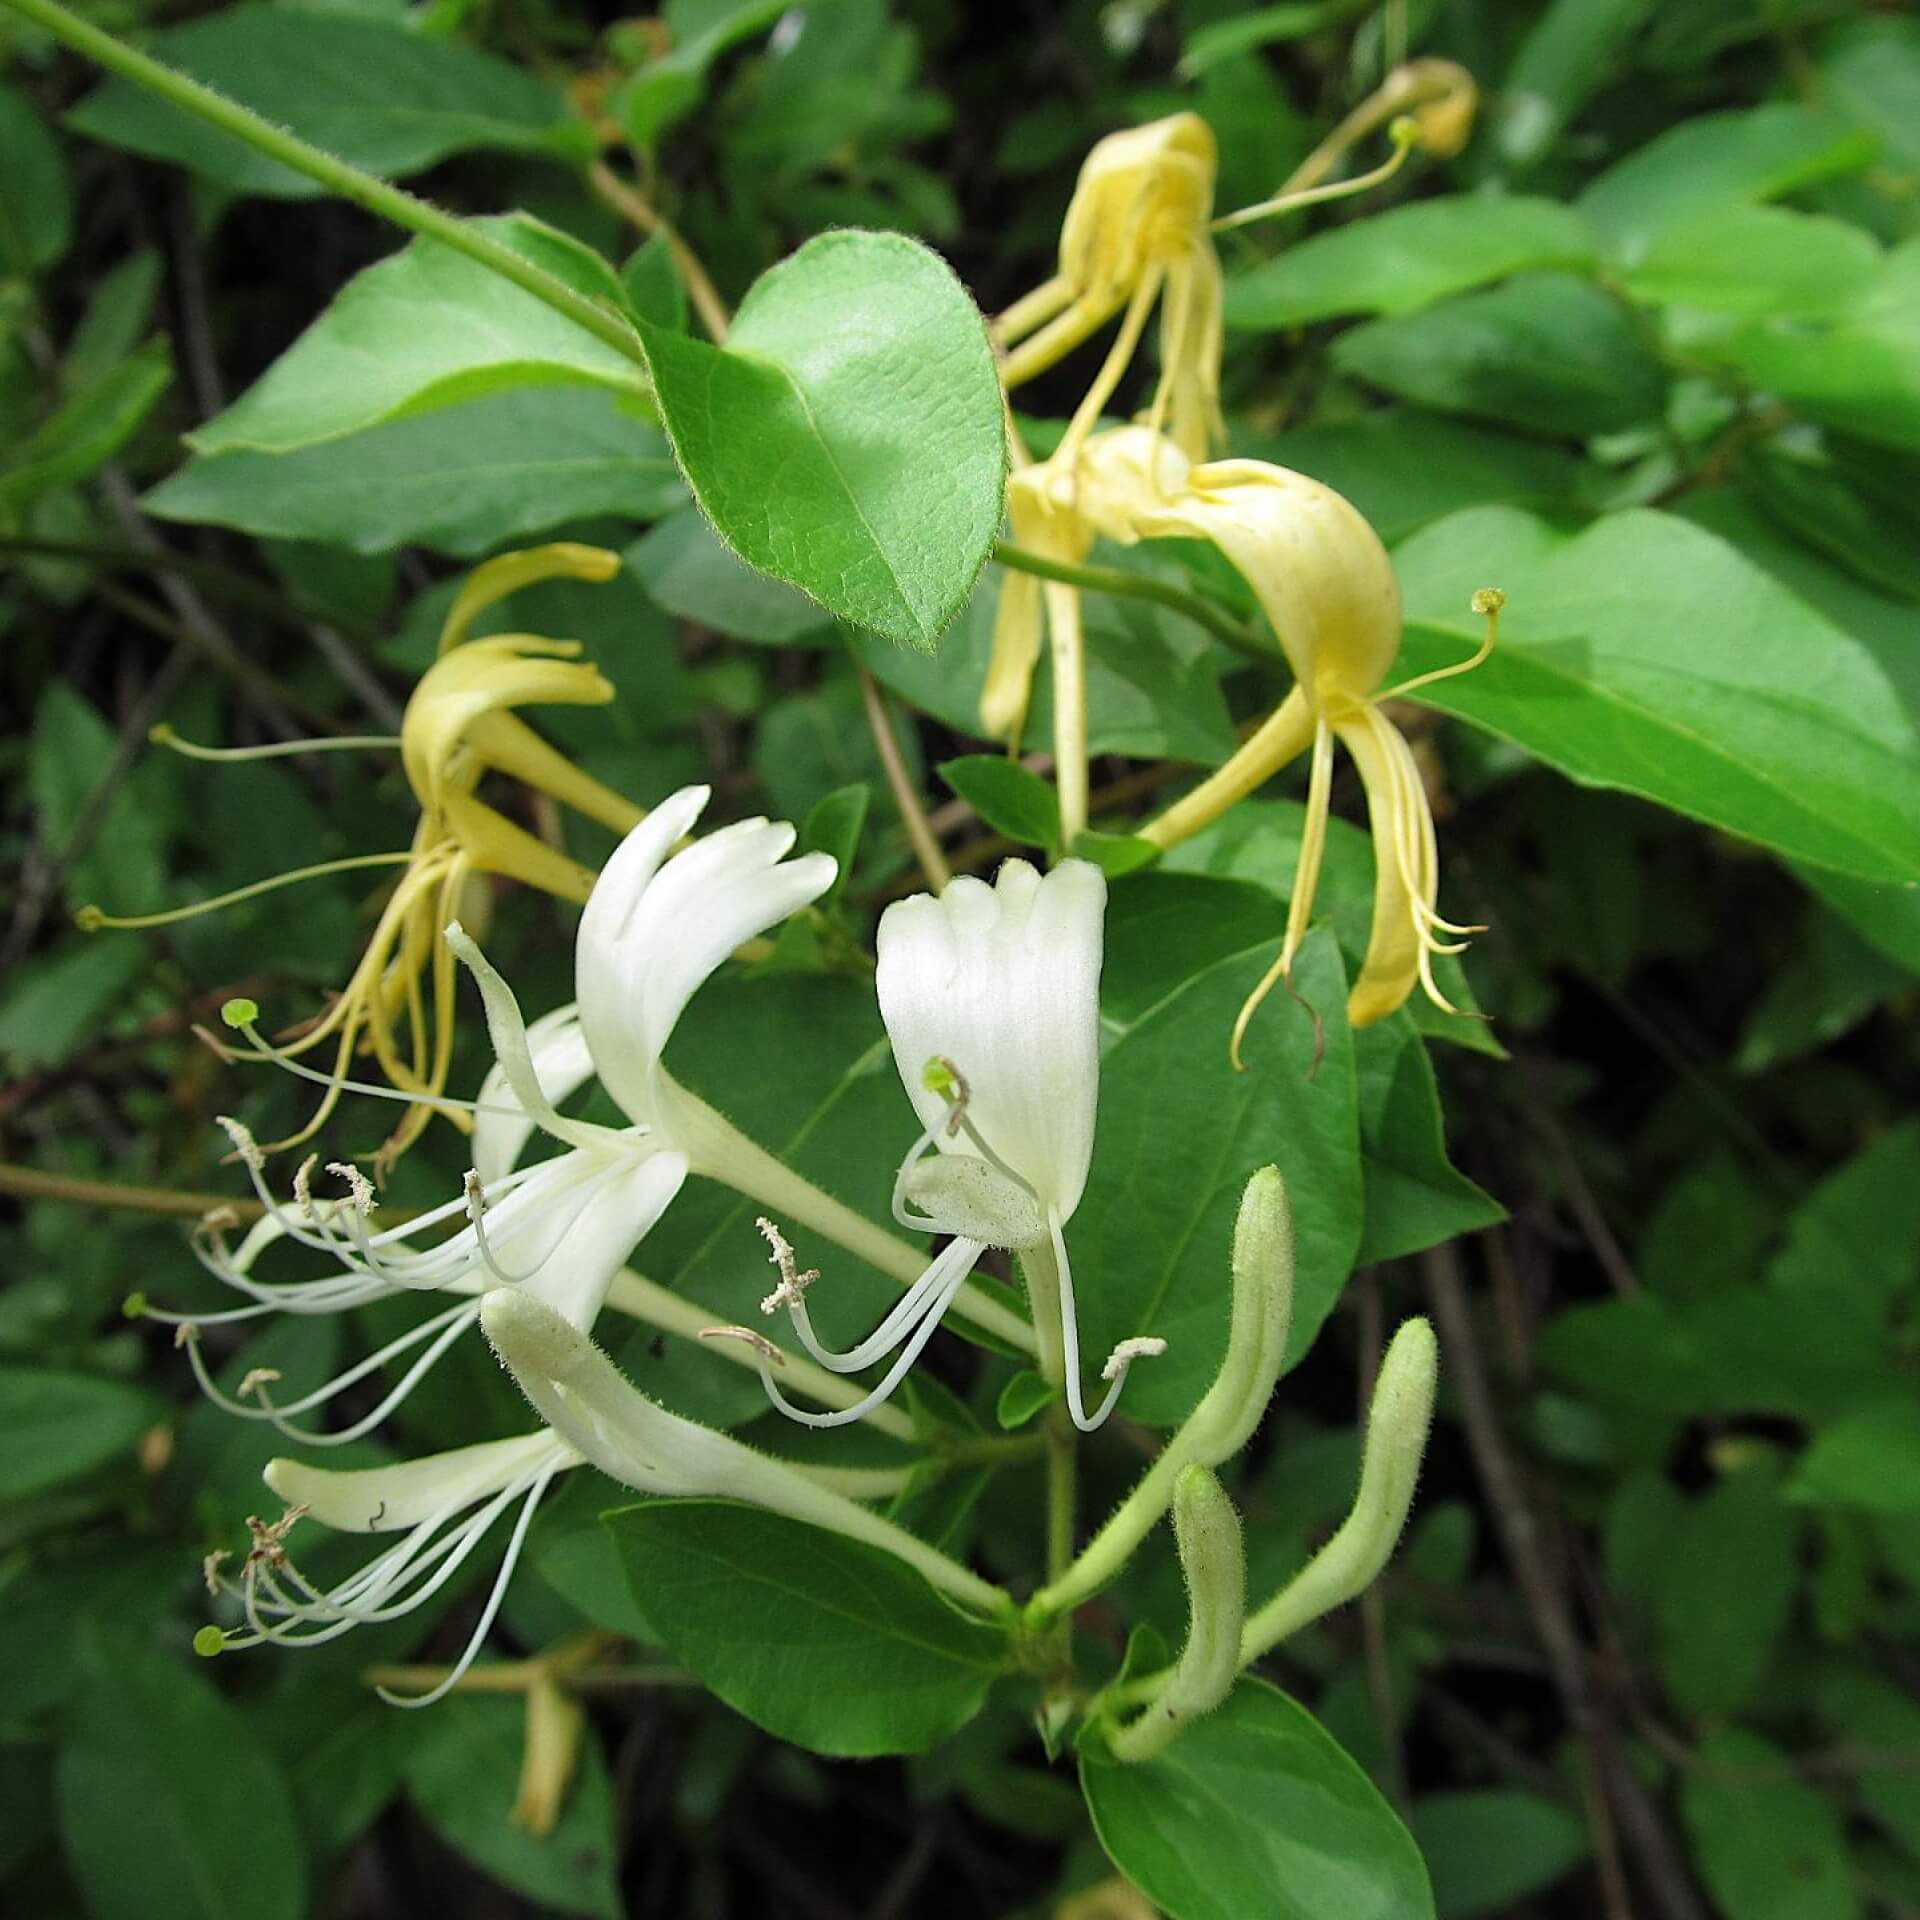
163,735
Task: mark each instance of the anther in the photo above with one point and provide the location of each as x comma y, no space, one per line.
792,1284
244,1144
761,1345
359,1187
254,1379
1142,1346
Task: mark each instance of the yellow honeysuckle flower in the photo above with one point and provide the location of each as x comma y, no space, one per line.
1327,586
459,726
1137,225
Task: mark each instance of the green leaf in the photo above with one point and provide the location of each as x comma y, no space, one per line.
56,1426
1114,853
1857,366
389,101
1720,160
72,755
666,90
1402,467
1546,352
1870,72
1400,261
1563,60
36,201
1830,982
849,438
1153,684
687,570
170,1808
1181,1132
1869,1460
463,1775
821,1640
117,313
1857,1235
655,292
86,430
1007,797
1256,1809
1853,527
1771,722
1223,40
1025,1395
1723,1602
462,480
1768,1847
1886,917
425,328
1489,1850
834,824
1755,260
1415,1196
60,1000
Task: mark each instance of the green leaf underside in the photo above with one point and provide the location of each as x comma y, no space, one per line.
1257,1810
462,479
388,101
1643,656
819,1639
426,328
848,439
1405,259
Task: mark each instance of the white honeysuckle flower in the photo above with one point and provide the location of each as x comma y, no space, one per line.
587,1402
990,996
657,925
442,1506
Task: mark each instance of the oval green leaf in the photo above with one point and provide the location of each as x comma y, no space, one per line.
1257,1809
849,438
822,1640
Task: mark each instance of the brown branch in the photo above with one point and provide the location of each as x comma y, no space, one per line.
629,200
35,1183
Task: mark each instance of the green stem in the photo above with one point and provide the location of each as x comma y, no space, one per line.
1042,1275
337,176
1138,586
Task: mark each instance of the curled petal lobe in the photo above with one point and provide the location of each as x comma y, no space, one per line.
561,1064
1003,982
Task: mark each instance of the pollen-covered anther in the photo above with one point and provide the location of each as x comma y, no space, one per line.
269,1538
185,1334
244,1144
303,1185
254,1379
772,1355
359,1188
1488,600
941,1076
1142,1346
793,1285
210,1569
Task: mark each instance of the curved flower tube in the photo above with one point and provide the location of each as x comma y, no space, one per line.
990,996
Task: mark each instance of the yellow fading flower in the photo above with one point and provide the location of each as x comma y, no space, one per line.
1327,586
459,726
1137,227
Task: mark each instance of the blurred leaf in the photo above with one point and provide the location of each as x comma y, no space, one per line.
1830,983
1406,259
1768,1847
463,1774
1007,797
1564,59
1241,33
1588,678
1719,160
1490,1849
655,292
666,90
1816,501
462,479
1856,366
1725,1593
389,101
1755,260
688,570
1869,1460
117,313
86,430
72,754
36,202
425,328
56,1426
1870,72
1315,1839
834,824
821,1640
805,438
1857,1235
62,999
1546,352
170,1808
1402,467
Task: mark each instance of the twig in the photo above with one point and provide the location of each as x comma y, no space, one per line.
926,849
35,1183
1579,1195
641,211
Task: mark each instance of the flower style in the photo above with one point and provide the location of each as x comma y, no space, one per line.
991,1001
654,929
